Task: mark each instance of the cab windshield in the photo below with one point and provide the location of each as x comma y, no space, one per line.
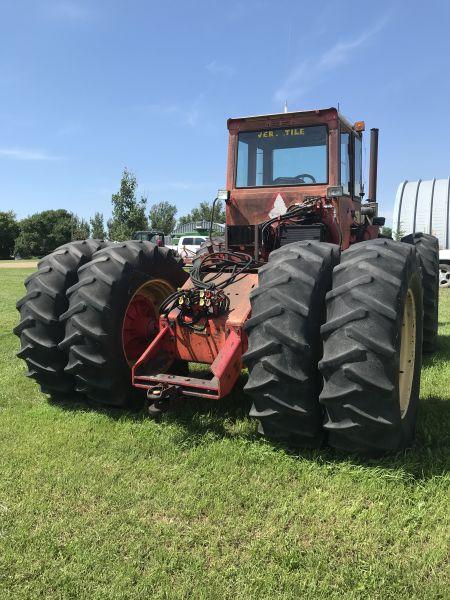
285,156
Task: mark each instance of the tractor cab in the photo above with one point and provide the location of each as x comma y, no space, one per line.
278,161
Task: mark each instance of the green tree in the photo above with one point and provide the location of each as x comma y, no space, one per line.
98,227
9,230
128,213
399,232
203,212
42,232
162,217
80,228
387,231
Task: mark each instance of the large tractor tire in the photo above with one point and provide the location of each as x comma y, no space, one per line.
427,248
113,315
39,329
288,308
373,348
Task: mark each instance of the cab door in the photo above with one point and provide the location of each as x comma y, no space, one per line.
358,190
351,180
345,206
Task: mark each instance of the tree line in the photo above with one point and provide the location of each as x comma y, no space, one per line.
42,232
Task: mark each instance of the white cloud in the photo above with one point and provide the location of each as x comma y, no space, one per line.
309,72
25,154
219,69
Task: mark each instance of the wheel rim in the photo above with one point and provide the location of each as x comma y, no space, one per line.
444,276
407,352
141,320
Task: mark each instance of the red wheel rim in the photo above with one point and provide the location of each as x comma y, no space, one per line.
140,326
141,319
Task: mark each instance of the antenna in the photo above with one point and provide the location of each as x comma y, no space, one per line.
288,60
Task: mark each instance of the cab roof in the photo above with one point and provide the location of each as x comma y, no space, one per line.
329,115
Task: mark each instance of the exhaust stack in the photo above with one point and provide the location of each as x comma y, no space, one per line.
373,165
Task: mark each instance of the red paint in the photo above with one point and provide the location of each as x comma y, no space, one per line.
140,325
220,345
225,370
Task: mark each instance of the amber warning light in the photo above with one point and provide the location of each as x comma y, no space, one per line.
359,126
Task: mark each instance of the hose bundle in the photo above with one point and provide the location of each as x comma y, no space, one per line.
207,298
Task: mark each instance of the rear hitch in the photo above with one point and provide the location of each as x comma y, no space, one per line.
161,398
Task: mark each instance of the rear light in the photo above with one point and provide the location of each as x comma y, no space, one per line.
223,195
335,191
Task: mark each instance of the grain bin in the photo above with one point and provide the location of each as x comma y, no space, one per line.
425,206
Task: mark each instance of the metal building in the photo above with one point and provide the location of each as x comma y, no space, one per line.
424,206
197,226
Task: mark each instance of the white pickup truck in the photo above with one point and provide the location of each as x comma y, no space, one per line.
187,246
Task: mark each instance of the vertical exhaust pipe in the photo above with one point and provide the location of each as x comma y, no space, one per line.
373,165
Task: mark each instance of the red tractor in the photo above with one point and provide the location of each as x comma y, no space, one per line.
329,317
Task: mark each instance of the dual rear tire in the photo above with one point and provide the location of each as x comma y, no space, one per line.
365,315
75,337
40,329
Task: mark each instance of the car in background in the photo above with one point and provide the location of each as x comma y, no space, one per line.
188,246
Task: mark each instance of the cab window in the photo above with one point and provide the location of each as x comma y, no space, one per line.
345,163
358,165
282,157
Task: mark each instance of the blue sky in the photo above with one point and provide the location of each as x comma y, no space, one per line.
87,88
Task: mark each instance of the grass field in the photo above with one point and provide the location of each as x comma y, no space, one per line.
113,505
18,264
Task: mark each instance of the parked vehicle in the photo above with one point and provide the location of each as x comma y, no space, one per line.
188,246
157,237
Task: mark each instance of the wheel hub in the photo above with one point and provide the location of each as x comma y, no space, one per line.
407,352
141,319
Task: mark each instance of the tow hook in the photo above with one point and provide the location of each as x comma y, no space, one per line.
160,398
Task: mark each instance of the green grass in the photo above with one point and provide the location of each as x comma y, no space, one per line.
113,505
